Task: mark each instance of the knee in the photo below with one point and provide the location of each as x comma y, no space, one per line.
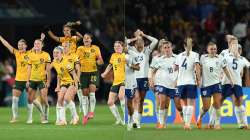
110,103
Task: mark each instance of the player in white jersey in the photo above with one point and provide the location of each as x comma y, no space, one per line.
211,66
130,85
165,81
236,64
187,64
142,54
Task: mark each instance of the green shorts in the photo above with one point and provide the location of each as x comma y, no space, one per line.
19,85
37,85
116,88
88,78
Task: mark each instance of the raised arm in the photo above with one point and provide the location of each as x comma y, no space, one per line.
53,36
153,40
6,44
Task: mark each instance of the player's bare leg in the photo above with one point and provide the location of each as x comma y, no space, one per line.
136,102
111,103
206,102
31,97
85,105
61,119
217,105
69,95
177,102
142,97
130,113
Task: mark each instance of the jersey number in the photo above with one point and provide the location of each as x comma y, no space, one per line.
170,70
235,64
184,64
211,69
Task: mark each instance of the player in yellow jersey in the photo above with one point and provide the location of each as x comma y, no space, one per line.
21,73
89,56
38,72
117,63
67,84
68,37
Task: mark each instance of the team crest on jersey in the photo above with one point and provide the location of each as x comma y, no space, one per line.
26,57
62,69
119,60
217,63
204,93
41,60
92,50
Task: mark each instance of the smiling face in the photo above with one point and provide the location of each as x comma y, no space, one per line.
118,47
22,45
87,40
38,45
66,47
212,49
57,53
66,31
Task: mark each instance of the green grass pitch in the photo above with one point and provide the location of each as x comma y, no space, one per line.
102,128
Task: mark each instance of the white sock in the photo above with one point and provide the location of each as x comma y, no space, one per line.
135,116
79,95
92,101
184,110
85,105
30,111
15,106
63,114
39,107
189,114
46,111
115,112
139,118
162,116
211,115
72,108
57,112
243,115
237,112
130,119
165,116
122,102
217,116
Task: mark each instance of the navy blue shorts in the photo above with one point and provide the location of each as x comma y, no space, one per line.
210,90
142,84
187,91
228,90
167,91
130,93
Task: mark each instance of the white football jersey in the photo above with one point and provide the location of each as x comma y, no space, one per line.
186,64
130,79
235,66
143,57
211,69
165,74
224,53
